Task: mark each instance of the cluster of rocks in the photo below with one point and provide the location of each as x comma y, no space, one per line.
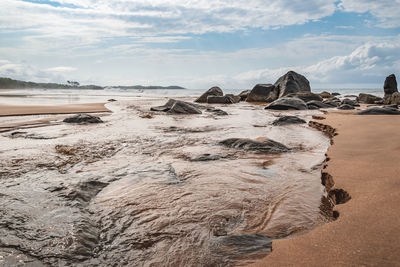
214,95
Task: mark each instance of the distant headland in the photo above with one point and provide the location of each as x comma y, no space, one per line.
7,83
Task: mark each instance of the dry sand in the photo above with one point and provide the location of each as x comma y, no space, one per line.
12,110
364,161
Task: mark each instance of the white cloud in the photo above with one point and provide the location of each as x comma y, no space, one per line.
61,69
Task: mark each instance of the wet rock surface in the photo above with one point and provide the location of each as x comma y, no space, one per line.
379,111
267,146
213,91
287,103
263,93
83,118
292,82
367,98
285,120
178,107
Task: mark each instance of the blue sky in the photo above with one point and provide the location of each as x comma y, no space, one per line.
198,44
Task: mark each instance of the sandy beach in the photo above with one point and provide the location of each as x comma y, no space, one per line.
364,162
14,110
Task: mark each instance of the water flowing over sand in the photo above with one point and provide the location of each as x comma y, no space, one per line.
136,191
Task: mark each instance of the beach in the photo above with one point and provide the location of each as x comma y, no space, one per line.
364,162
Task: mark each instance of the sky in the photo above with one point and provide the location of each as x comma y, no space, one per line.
202,43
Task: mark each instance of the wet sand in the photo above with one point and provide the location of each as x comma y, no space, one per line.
13,110
364,161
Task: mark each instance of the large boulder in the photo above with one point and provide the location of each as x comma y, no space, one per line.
286,103
178,107
350,102
292,82
263,93
266,146
234,98
379,111
367,98
219,99
83,118
243,95
213,91
306,96
390,85
288,120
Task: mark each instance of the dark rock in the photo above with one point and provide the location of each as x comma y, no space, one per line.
213,91
335,94
392,99
208,157
390,85
219,100
267,146
287,103
396,106
349,102
345,107
317,104
83,118
178,107
111,100
306,96
379,111
263,93
235,98
217,111
332,103
288,120
367,98
325,94
243,95
292,82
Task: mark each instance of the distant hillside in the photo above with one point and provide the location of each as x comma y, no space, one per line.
7,83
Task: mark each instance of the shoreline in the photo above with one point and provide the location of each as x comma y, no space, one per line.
26,110
365,164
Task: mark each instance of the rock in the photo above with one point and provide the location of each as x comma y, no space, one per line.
243,95
335,94
208,157
235,98
325,94
390,85
217,111
292,82
346,107
263,93
111,100
306,96
178,107
396,106
286,103
367,98
392,99
350,96
288,120
332,103
83,118
213,91
317,105
267,146
219,100
379,111
350,102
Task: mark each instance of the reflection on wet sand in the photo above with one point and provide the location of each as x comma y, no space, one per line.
158,190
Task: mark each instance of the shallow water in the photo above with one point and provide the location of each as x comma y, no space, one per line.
129,192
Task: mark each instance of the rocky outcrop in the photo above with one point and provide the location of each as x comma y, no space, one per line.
267,146
367,99
287,103
285,120
213,91
243,95
263,93
379,111
178,107
83,118
219,100
390,88
292,82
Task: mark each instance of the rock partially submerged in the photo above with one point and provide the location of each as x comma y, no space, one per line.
208,157
217,111
213,91
267,146
379,111
178,107
83,118
287,103
263,93
288,120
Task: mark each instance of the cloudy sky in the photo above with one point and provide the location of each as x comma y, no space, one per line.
198,44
